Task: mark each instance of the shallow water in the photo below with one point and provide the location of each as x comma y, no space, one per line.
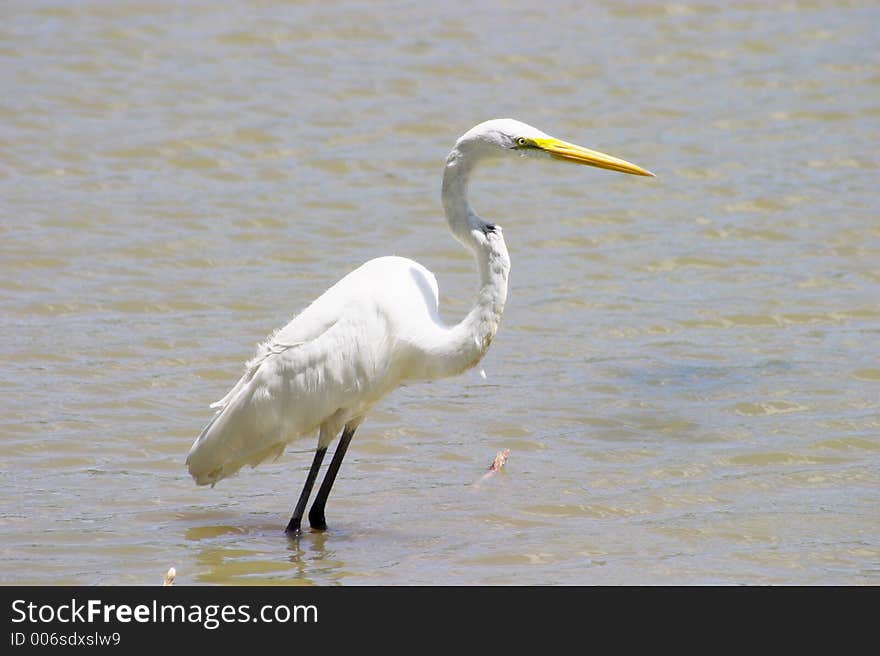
687,374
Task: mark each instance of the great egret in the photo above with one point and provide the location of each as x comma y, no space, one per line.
376,328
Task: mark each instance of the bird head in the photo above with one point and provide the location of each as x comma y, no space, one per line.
506,135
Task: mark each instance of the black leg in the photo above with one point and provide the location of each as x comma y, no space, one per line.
316,514
293,526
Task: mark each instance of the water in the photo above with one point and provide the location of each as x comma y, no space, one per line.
687,374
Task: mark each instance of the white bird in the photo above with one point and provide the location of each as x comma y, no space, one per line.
375,329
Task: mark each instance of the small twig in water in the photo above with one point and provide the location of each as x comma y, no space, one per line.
500,461
497,464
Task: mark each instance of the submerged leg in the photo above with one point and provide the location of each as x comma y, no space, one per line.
293,526
316,514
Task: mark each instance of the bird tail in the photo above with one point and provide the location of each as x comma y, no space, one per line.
234,437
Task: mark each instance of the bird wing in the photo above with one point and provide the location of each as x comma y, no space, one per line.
264,351
336,358
290,389
310,324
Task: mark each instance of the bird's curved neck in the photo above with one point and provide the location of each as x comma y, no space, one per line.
465,343
459,213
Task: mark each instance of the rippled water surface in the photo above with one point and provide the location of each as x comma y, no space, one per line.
687,375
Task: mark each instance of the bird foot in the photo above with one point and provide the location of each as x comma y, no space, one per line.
318,522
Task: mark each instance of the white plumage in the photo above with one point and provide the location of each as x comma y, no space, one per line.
329,365
376,328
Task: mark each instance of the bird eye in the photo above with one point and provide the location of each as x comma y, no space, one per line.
522,141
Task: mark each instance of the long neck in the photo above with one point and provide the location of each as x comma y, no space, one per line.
463,345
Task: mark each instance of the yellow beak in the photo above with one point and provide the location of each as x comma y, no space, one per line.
572,153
